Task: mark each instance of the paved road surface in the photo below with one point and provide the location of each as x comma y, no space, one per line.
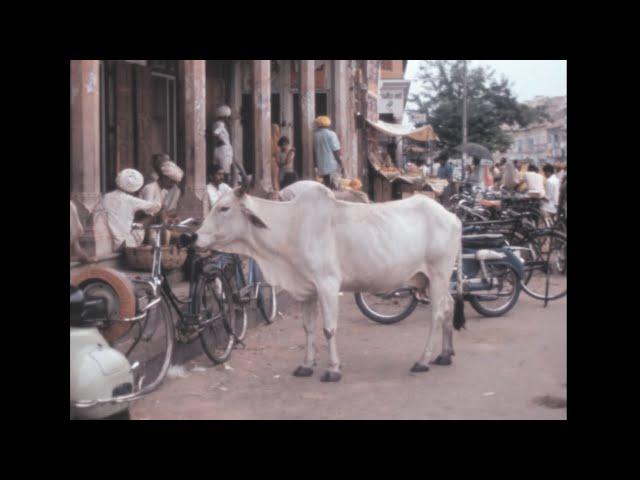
513,367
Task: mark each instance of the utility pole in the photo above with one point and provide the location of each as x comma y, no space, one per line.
464,118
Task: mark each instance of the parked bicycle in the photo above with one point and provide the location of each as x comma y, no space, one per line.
149,336
543,252
250,292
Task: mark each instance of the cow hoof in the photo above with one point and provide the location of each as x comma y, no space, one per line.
330,376
303,372
442,360
417,367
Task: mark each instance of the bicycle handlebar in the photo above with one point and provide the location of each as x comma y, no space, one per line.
184,225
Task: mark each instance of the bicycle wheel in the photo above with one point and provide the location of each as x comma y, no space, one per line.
148,341
501,296
216,309
387,308
241,322
153,345
545,257
267,302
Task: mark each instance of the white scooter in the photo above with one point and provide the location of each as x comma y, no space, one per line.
102,384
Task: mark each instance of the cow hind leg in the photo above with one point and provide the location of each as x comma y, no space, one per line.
447,327
309,312
442,308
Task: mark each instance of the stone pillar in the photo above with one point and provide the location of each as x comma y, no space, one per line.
85,155
341,114
194,124
262,122
236,109
85,132
308,113
286,101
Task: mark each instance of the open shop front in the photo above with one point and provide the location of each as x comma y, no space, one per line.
394,180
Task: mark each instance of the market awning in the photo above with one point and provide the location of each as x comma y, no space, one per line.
422,134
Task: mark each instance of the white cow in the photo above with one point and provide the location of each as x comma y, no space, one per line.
315,246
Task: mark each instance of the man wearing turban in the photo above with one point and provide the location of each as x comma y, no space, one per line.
164,188
121,206
326,152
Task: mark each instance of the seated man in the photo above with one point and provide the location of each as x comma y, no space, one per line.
216,186
164,189
121,206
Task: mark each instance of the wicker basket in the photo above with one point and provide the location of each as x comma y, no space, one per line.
141,258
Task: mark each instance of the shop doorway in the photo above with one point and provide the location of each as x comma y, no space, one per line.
248,147
322,108
138,115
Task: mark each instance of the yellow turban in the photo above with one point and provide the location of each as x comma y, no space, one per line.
323,121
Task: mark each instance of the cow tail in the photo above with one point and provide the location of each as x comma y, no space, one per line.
459,319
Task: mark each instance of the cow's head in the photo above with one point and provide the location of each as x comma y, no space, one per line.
229,220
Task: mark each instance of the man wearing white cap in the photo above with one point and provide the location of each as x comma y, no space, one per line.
121,206
223,152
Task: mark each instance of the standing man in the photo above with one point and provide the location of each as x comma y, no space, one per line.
326,152
476,177
552,191
446,170
534,181
223,151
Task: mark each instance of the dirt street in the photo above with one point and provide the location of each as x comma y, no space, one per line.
513,367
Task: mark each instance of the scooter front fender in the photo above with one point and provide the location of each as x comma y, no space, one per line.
97,371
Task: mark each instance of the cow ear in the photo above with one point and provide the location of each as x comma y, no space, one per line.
239,191
253,218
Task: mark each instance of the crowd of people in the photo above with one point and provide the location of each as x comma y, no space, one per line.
156,198
515,176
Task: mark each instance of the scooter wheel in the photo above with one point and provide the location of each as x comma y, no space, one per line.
120,293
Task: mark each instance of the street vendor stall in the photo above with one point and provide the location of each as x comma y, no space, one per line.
392,182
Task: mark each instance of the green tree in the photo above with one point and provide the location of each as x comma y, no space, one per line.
490,104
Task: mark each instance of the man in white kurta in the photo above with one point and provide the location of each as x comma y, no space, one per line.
216,187
121,206
223,152
552,191
165,188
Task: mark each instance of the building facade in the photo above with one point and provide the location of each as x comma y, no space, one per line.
124,111
394,92
542,142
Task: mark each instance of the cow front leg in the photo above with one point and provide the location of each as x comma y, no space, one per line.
328,302
309,311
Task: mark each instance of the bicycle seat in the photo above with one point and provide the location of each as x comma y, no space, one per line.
487,240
